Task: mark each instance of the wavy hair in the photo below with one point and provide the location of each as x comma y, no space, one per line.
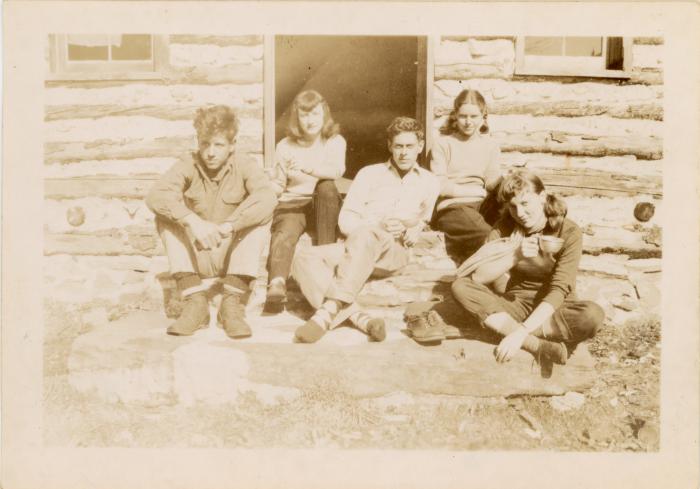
405,124
555,208
211,120
304,102
468,96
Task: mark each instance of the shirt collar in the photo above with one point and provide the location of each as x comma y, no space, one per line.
414,169
227,168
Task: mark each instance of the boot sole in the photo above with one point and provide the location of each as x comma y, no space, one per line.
187,333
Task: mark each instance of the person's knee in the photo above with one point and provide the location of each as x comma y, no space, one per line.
326,190
464,290
591,318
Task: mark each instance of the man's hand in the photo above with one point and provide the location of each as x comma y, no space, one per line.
393,226
510,345
205,233
411,235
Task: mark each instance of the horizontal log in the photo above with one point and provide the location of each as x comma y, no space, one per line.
175,147
464,71
167,112
480,38
546,98
146,94
653,111
132,127
598,183
648,40
211,55
253,40
542,142
240,73
647,76
99,186
616,165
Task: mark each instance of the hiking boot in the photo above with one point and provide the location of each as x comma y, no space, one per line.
194,315
450,332
549,353
232,316
276,297
422,331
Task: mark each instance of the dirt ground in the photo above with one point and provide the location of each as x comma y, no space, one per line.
620,412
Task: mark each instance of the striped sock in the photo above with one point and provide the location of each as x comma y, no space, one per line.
360,320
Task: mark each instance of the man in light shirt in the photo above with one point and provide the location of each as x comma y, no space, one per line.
384,212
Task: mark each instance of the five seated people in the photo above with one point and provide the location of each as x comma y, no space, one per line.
212,213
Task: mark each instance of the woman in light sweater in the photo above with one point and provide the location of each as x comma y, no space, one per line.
466,160
307,162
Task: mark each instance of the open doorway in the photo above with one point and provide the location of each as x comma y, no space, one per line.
367,80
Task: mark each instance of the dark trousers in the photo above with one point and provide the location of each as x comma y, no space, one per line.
465,229
575,320
289,221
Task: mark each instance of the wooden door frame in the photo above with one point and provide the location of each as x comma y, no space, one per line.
269,121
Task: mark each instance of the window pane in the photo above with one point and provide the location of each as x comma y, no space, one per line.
584,46
87,47
544,46
131,47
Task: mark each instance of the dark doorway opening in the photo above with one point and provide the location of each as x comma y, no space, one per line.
367,81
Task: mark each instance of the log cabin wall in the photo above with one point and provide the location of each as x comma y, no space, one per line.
598,141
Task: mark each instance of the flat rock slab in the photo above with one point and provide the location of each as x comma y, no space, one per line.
132,360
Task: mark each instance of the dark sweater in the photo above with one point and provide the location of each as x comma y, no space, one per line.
539,278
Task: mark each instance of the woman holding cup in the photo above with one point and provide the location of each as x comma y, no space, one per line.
537,309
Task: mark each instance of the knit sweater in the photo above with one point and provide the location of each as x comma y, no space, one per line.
461,163
540,278
328,156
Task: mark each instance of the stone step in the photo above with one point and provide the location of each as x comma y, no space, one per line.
133,361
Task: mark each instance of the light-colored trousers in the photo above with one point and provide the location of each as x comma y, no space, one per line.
339,271
238,254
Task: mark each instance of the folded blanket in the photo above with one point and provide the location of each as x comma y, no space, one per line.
498,250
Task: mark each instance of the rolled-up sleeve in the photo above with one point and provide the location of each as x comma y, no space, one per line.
258,206
166,197
563,278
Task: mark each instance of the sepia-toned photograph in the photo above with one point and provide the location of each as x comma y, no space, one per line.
406,242
335,244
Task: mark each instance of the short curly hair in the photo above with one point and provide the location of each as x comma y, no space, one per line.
405,124
216,119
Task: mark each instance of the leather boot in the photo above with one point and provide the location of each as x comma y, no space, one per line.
194,315
232,315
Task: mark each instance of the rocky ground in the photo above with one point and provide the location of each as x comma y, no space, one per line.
113,378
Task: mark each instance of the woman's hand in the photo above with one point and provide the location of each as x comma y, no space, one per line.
529,247
510,345
411,235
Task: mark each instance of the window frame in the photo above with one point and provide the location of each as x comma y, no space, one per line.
533,65
60,70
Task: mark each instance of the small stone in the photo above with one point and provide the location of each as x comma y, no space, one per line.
644,211
75,216
567,402
614,402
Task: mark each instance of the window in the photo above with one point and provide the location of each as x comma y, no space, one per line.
608,57
106,56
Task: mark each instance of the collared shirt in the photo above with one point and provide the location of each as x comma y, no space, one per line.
378,192
240,193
